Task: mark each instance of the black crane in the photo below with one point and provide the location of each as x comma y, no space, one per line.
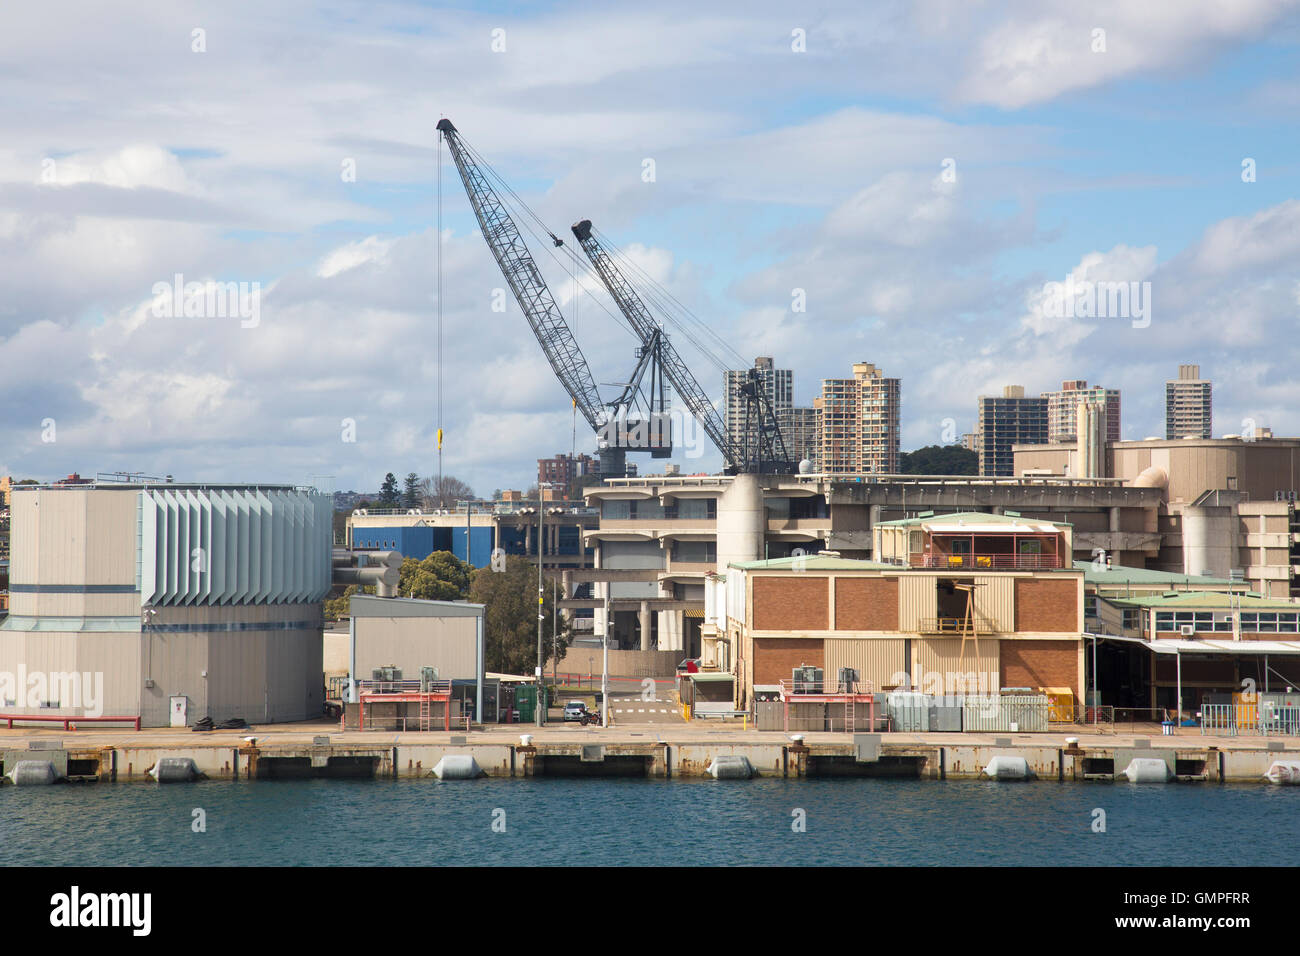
617,431
762,448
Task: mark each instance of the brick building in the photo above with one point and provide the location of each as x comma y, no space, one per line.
900,621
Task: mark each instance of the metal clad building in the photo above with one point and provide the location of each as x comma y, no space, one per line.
184,600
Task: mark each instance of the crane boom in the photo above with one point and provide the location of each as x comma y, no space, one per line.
526,282
771,454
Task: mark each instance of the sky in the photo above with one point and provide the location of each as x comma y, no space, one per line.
896,183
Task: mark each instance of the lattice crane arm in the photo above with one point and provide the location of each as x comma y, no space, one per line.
526,282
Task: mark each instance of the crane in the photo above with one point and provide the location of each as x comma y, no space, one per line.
767,453
608,420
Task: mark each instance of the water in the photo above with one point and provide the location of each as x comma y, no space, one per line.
647,822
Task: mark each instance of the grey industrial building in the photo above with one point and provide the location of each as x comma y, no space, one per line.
191,600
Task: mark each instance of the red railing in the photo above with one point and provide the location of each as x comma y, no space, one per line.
986,562
69,722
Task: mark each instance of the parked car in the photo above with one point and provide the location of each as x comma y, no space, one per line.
689,666
575,710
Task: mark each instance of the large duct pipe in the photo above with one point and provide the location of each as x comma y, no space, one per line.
385,578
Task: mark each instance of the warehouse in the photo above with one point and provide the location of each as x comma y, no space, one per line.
191,600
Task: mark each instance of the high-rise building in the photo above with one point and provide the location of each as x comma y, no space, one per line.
1011,419
858,419
777,383
1188,405
802,438
562,470
1061,407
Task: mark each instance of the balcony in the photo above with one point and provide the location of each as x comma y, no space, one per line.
988,562
980,626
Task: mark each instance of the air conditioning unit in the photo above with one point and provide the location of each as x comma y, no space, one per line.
1187,630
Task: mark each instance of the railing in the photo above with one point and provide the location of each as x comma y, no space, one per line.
69,722
955,625
440,688
1263,718
826,688
989,562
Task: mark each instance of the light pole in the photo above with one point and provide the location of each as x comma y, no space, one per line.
540,592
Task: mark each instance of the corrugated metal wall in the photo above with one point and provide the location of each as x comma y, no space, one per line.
878,660
917,600
447,643
995,600
939,657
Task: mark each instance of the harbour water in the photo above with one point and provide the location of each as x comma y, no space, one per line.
649,823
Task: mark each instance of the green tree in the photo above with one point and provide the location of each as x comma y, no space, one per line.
411,491
939,460
439,577
388,495
336,608
510,597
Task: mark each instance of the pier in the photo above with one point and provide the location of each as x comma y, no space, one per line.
299,751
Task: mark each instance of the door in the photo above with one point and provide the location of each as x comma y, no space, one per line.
179,711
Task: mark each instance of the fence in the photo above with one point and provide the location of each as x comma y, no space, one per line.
1263,718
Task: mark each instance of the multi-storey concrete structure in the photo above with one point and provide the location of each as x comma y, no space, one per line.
859,422
1224,504
778,383
1189,410
1006,421
1062,409
660,538
177,601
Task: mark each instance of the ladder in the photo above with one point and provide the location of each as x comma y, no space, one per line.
849,725
424,711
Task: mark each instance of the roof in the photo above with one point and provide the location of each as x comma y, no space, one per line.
1123,575
370,605
977,521
1167,645
710,677
1210,599
815,562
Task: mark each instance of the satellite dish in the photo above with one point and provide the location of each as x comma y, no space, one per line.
805,467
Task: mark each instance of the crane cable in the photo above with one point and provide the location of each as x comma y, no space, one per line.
438,490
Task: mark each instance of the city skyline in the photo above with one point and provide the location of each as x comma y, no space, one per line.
924,218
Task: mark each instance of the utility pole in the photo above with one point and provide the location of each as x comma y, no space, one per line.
540,616
604,666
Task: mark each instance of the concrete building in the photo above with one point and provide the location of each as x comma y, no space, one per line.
1179,651
1189,408
1062,407
900,623
777,383
1006,421
510,524
802,436
1224,504
660,539
181,600
859,421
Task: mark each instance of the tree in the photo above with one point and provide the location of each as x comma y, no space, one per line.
443,493
439,577
510,597
411,491
939,460
388,497
337,609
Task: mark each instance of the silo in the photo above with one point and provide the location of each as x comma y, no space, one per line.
742,522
